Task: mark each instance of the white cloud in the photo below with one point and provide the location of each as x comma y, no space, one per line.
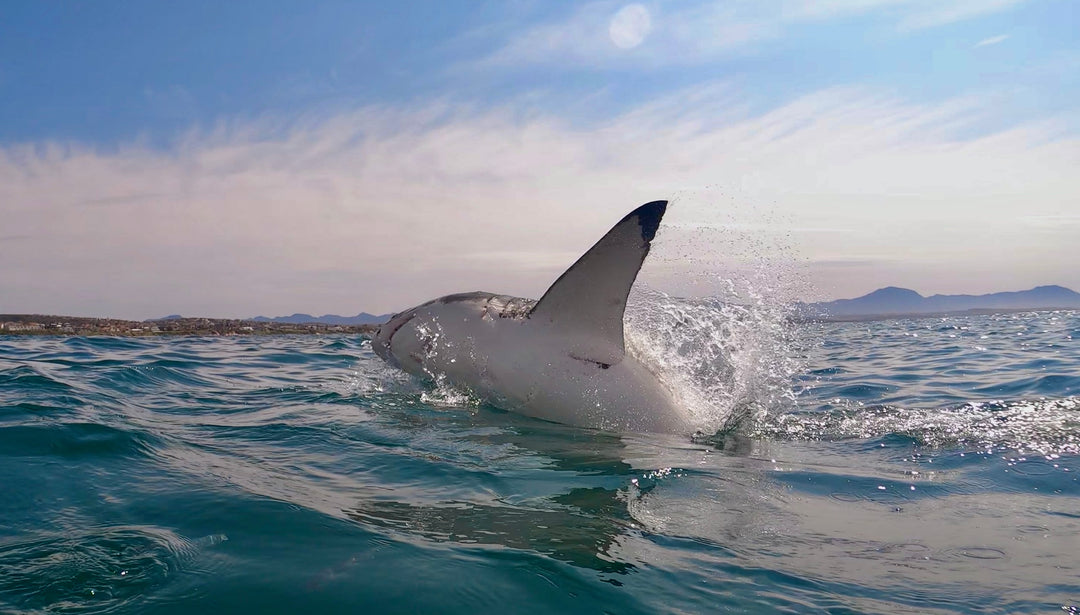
993,40
676,35
378,209
933,13
694,32
905,14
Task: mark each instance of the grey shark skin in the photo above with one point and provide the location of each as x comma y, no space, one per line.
562,358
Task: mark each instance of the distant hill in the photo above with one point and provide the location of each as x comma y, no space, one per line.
894,301
363,318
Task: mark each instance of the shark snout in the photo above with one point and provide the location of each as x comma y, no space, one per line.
384,337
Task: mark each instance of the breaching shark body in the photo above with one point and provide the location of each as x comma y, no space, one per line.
562,358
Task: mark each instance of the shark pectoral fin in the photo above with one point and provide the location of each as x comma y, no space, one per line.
589,298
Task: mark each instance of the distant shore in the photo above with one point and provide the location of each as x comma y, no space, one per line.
40,324
896,302
80,326
917,315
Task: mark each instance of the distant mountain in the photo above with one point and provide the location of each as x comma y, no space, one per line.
363,318
169,317
893,300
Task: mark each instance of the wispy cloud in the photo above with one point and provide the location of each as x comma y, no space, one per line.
379,208
677,35
1065,223
993,40
694,32
920,14
903,14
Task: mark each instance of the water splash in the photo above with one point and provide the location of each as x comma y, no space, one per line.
733,354
724,361
442,393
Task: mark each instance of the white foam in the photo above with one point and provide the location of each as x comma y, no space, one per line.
723,360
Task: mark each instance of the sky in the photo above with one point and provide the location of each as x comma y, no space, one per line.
243,158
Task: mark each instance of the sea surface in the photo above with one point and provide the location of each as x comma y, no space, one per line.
925,465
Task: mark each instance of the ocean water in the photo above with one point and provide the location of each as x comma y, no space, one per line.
923,465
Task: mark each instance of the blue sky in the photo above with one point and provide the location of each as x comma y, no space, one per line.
333,157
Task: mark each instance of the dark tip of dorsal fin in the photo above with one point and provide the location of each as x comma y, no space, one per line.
649,215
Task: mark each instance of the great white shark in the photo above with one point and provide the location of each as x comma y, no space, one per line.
562,358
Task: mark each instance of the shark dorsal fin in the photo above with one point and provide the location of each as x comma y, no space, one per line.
589,298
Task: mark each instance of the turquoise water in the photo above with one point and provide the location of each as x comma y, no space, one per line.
907,466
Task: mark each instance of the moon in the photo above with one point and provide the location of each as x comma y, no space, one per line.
630,26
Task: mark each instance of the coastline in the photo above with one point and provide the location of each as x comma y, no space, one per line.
79,326
82,326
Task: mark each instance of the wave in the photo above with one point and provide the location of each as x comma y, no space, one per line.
97,570
1043,426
